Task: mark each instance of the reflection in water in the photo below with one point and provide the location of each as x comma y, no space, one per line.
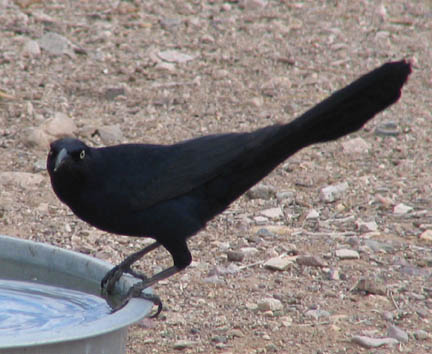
27,307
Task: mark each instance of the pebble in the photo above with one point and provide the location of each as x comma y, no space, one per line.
279,263
316,314
355,146
401,209
184,344
273,213
56,44
174,56
311,261
285,195
31,48
269,304
112,92
312,214
235,256
249,251
426,236
369,226
345,253
369,342
59,125
421,335
235,333
261,191
389,128
397,333
253,4
377,246
333,192
370,286
110,134
36,138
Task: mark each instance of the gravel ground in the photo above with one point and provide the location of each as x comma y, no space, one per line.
356,271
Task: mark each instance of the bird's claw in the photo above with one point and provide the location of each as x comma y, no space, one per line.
136,292
109,280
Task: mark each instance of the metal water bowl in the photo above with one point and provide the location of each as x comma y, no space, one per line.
39,263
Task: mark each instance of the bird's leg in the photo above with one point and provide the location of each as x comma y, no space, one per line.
109,280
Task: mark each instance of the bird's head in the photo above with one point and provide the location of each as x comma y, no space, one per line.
67,156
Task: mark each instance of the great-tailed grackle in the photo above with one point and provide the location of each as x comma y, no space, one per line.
170,192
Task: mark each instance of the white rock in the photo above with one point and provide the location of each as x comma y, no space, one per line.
273,213
355,146
248,251
36,137
59,126
333,192
56,44
253,4
369,226
31,48
269,304
345,253
369,342
312,214
174,56
426,236
397,333
279,263
401,209
110,134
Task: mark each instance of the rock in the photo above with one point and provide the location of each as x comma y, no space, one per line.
333,192
333,274
273,213
368,342
421,335
24,180
345,253
279,263
174,56
316,314
169,23
311,261
370,286
31,48
281,230
355,146
312,214
261,191
252,5
112,92
364,226
59,126
269,304
401,209
377,246
388,316
235,256
235,333
36,138
184,344
260,220
387,129
397,333
285,195
110,134
286,321
426,236
249,251
56,44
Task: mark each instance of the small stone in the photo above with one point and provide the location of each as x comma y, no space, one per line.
311,261
388,316
368,342
316,314
31,48
184,344
397,333
401,209
261,191
110,134
333,192
169,23
421,335
370,286
207,39
59,126
370,226
235,333
387,129
260,220
312,214
333,274
56,44
273,213
286,321
253,4
174,56
249,251
235,256
345,253
285,195
279,263
355,146
36,138
112,92
269,304
426,236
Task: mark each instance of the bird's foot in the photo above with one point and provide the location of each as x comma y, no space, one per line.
109,280
136,292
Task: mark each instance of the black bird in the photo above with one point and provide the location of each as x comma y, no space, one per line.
170,192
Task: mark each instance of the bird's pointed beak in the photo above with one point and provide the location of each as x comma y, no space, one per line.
62,155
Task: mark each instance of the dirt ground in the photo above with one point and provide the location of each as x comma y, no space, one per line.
164,71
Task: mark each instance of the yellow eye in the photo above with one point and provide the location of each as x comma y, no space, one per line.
82,154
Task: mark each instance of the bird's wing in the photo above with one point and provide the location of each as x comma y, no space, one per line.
187,165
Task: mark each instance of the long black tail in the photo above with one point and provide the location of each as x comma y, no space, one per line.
344,112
